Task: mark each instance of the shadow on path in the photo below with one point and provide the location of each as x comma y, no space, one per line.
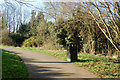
41,71
44,72
45,66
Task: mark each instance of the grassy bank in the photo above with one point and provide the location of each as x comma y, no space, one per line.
102,66
12,67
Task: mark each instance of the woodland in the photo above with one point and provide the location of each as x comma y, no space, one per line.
93,26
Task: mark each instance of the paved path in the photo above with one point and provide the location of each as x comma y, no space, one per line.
45,66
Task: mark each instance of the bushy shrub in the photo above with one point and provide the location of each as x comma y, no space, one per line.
27,43
33,41
17,39
6,40
12,39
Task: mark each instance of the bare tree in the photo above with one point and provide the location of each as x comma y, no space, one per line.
108,16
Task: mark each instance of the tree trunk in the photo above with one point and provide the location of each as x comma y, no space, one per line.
109,50
93,47
90,47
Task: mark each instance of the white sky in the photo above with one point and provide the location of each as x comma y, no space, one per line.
26,9
64,0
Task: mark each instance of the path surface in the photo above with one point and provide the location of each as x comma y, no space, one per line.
45,66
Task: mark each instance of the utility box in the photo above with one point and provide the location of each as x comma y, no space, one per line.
71,52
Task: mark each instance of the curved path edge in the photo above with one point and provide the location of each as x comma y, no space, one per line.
41,65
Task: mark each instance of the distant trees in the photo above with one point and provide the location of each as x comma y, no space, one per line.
37,29
24,29
11,20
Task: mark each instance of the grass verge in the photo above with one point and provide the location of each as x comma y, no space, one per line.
102,66
12,67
